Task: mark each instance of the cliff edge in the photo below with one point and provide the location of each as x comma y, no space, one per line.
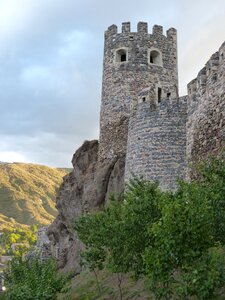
84,190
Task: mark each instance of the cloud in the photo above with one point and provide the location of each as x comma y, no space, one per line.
51,65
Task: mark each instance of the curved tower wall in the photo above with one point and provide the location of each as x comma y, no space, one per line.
156,148
130,66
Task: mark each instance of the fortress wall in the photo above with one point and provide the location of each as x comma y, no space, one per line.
157,142
206,109
123,80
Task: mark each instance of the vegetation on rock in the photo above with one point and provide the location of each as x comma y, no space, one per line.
174,239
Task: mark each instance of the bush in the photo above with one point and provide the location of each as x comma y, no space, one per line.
176,239
33,280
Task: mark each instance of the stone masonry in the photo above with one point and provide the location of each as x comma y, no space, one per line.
206,109
142,115
157,142
133,61
146,129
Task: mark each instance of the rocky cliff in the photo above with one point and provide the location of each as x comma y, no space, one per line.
85,189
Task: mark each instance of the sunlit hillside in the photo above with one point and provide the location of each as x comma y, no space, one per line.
28,193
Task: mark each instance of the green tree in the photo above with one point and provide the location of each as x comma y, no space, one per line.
118,236
176,239
31,279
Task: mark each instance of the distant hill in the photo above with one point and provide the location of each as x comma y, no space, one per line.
27,194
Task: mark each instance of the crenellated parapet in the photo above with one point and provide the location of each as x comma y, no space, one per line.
206,104
211,76
142,28
134,61
142,115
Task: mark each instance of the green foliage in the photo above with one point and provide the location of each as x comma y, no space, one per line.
30,280
181,236
212,179
176,239
119,232
23,238
204,275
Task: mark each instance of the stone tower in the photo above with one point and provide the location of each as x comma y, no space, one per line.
156,147
133,62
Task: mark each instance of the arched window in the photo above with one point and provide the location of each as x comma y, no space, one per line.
155,57
121,55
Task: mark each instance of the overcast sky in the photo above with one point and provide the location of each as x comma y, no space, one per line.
51,66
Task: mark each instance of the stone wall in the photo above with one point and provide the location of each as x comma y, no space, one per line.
122,80
206,109
157,141
153,135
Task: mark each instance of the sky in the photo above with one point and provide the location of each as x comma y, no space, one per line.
51,54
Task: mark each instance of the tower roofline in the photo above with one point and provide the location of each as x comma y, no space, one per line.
142,27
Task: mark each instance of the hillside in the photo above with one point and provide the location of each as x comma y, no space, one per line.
27,194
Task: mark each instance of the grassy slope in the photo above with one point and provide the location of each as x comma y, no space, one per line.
84,287
27,194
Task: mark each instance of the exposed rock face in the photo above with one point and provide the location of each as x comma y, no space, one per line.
142,118
85,189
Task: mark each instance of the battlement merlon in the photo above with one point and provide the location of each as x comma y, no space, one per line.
111,30
142,28
157,29
192,87
171,33
125,27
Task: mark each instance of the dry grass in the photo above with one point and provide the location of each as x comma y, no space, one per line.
84,287
27,194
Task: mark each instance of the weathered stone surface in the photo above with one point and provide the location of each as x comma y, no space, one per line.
124,79
144,125
156,148
206,109
84,190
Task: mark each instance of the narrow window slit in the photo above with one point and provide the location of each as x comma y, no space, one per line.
159,94
123,57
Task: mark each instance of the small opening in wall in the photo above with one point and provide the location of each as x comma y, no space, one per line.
168,95
214,78
221,56
143,99
121,55
131,38
155,57
159,94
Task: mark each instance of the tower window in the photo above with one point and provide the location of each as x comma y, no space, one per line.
155,57
159,95
168,95
121,55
